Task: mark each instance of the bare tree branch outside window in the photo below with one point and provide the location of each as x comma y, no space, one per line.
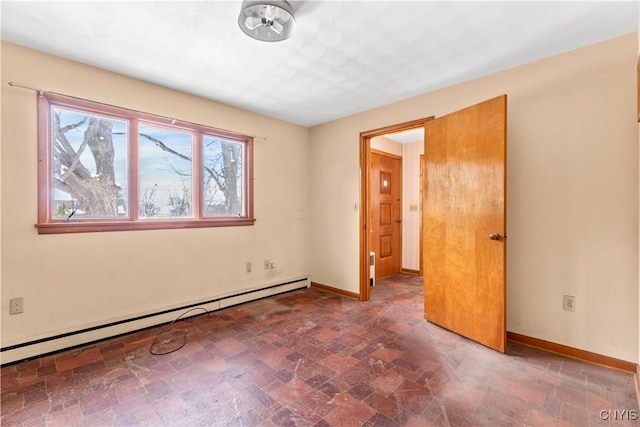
87,170
106,168
84,167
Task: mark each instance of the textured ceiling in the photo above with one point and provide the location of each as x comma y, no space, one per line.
407,136
345,57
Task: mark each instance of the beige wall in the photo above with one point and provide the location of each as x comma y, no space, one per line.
411,196
573,202
78,280
572,193
387,145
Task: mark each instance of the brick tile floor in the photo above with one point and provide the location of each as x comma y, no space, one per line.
308,358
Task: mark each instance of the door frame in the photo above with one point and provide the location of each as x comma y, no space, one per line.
422,174
365,192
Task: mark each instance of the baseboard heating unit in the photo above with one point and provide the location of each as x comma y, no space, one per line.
68,339
372,268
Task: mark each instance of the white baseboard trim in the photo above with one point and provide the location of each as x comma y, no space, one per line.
82,336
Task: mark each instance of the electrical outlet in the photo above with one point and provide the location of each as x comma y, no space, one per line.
267,264
16,305
569,303
248,267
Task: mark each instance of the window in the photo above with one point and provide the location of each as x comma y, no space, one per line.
106,168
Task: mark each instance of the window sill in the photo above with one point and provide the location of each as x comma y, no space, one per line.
95,226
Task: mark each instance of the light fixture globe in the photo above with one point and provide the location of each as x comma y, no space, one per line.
267,20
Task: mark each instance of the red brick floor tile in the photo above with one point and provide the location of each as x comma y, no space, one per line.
291,391
28,365
287,417
274,359
386,354
539,418
98,400
329,389
349,411
316,401
338,364
316,370
383,405
311,358
10,380
380,420
26,388
100,418
350,339
76,358
529,393
412,396
148,416
260,395
125,419
69,416
36,411
230,347
574,415
46,370
26,377
12,403
387,382
35,396
325,335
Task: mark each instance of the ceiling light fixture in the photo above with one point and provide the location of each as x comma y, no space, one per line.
267,20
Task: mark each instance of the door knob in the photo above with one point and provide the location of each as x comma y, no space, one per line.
494,236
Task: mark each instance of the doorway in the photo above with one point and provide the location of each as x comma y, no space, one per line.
464,224
389,212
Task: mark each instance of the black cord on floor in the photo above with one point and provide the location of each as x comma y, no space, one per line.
172,335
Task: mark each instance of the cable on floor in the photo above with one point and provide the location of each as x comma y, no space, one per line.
172,339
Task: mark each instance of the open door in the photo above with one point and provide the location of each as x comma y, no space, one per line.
464,222
365,197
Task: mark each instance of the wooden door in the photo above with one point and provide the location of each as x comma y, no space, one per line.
464,222
386,212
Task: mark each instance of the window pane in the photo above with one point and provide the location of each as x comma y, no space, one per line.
90,164
84,181
223,163
165,173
